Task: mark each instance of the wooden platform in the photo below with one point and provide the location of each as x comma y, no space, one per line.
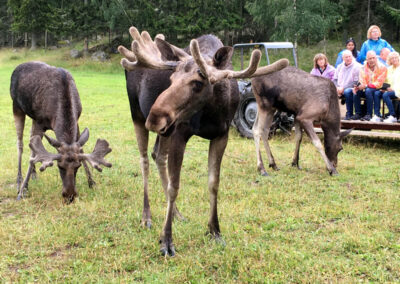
382,134
358,124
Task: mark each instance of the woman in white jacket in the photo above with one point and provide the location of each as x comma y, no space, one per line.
393,78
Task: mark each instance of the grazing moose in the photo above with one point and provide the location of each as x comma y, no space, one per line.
180,93
310,99
49,96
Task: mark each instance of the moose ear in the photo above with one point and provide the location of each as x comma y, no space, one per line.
222,57
170,52
83,138
53,142
345,133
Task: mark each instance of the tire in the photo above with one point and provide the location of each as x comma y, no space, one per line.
246,115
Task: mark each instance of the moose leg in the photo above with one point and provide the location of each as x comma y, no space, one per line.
160,155
35,130
142,137
215,154
26,181
309,128
175,158
88,173
261,129
299,137
19,120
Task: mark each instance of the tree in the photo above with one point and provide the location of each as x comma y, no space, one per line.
32,16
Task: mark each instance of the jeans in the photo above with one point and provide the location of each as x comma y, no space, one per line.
377,102
368,94
348,94
387,98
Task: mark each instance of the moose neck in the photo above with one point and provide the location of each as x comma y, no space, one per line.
66,123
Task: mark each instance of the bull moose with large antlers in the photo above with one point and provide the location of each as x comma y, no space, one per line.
180,93
49,96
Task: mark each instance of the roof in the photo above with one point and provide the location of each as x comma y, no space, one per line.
266,44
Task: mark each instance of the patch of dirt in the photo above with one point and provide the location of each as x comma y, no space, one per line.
60,252
15,268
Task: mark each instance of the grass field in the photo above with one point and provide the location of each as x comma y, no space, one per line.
299,226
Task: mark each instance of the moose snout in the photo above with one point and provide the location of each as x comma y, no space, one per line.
69,197
159,122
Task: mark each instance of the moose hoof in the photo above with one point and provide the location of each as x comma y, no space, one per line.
91,183
294,165
218,239
167,248
264,174
333,172
146,224
274,167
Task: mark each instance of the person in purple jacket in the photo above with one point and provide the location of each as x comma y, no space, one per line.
346,77
322,67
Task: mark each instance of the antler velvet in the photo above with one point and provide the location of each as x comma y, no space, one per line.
40,153
96,158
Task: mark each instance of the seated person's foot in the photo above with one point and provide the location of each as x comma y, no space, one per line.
390,119
376,118
348,117
366,117
356,117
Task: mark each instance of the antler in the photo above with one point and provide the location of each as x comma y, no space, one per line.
215,75
144,54
96,158
276,66
40,153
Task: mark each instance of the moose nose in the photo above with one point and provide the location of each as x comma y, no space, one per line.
158,122
69,197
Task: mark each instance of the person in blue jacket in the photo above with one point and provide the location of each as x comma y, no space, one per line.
350,45
374,42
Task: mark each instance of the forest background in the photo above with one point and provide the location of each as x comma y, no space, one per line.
46,23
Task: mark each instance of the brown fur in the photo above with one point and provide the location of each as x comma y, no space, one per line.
310,99
49,96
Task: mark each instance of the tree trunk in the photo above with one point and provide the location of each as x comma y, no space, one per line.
26,40
86,40
368,12
45,39
34,41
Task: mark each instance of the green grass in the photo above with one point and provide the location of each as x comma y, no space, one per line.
294,226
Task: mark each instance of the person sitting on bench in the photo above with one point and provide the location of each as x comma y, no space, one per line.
346,76
372,75
393,81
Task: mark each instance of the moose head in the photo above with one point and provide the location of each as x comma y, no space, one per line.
69,158
195,76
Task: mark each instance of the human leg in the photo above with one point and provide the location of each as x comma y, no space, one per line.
377,95
348,94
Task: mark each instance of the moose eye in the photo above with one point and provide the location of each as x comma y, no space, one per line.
197,86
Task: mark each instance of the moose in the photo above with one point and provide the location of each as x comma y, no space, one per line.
178,93
309,98
49,96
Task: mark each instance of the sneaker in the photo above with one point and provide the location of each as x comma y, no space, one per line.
390,119
376,118
356,117
366,117
348,117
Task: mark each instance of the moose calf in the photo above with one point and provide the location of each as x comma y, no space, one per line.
310,99
49,96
